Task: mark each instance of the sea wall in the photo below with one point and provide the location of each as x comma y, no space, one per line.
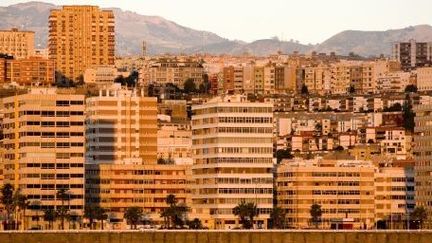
232,236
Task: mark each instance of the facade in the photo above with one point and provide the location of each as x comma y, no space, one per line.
174,142
344,189
413,54
121,125
44,148
27,71
102,74
423,156
394,195
424,78
174,71
116,187
19,44
80,37
233,159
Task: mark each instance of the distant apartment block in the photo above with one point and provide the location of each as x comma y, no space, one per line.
26,71
80,37
172,70
413,54
17,43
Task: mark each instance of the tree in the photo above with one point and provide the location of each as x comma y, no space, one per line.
408,117
283,154
351,89
189,86
393,108
133,215
8,202
411,88
175,214
316,213
419,214
304,90
36,206
22,203
50,216
277,218
63,211
195,224
101,215
246,212
339,148
90,214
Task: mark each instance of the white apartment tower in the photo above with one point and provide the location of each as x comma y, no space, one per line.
233,159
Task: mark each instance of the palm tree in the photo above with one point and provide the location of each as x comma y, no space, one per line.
73,217
7,199
35,205
101,215
90,214
171,200
419,214
133,216
175,214
62,211
277,217
316,213
50,215
22,203
246,212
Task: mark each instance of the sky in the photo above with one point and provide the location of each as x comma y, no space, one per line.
308,21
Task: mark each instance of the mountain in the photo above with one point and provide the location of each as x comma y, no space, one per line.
164,36
373,43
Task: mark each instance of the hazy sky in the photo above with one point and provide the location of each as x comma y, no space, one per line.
309,21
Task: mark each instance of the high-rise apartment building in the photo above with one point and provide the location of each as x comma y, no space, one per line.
43,148
413,54
80,37
121,125
19,44
233,159
423,156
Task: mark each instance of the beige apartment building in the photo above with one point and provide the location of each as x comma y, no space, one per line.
344,189
121,125
17,43
116,187
233,159
80,37
43,148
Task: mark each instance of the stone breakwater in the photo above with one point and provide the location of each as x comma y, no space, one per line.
233,236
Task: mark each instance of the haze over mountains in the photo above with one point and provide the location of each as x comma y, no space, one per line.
164,36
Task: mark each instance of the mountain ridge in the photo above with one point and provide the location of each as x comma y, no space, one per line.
165,36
